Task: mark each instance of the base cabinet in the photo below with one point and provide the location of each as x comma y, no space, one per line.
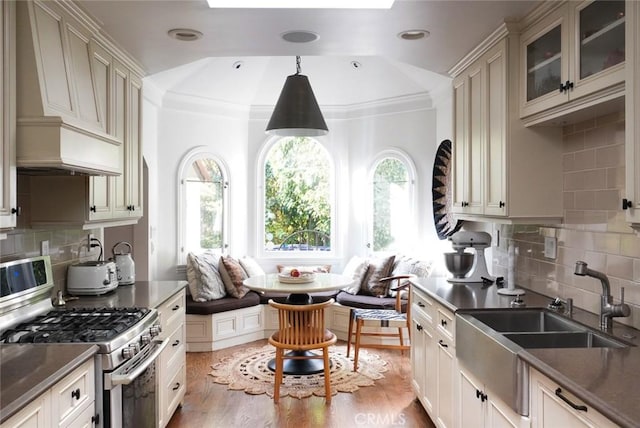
554,406
479,408
172,370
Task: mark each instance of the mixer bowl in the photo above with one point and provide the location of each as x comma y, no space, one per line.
459,264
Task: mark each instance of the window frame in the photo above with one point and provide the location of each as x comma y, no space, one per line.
196,153
260,208
407,161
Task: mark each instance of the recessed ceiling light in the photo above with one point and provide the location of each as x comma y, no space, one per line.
238,65
300,36
356,64
413,34
298,4
185,34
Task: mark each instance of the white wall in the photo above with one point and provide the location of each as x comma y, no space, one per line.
356,136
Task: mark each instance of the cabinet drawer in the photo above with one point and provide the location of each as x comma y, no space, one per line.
84,419
73,394
445,323
175,349
175,390
425,305
172,313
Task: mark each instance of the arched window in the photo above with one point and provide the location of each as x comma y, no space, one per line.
392,222
203,206
297,208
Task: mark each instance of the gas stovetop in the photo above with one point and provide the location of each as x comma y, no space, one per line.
89,325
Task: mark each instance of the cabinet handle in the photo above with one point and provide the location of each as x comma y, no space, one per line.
478,393
483,397
441,343
626,204
419,327
567,85
175,308
92,208
76,394
420,304
17,211
443,323
501,204
175,388
176,343
569,402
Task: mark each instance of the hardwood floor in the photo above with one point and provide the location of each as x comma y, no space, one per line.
389,403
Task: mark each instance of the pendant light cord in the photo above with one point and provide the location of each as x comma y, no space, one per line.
297,65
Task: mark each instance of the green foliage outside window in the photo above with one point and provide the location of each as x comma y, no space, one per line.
388,173
297,189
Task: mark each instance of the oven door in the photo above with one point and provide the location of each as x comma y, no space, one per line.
130,399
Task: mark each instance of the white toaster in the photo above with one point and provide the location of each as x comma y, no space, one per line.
92,278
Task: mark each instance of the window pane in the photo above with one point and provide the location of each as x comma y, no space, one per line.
391,205
204,187
297,196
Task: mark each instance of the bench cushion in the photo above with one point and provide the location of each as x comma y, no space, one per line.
319,297
367,302
227,303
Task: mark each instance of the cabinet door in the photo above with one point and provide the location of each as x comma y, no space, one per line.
496,144
499,415
475,164
545,63
599,33
460,147
446,363
417,354
7,116
36,414
471,407
119,130
632,123
134,147
430,390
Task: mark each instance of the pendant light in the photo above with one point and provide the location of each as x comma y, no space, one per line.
296,113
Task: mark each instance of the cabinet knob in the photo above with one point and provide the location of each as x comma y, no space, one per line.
566,86
443,323
441,343
17,211
176,387
626,204
75,394
418,327
176,343
92,208
501,204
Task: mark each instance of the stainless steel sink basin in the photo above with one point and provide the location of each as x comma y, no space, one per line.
488,342
526,320
576,339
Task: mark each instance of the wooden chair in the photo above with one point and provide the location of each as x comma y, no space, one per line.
382,318
301,328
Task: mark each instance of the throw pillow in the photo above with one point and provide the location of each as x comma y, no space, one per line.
203,277
250,266
232,276
356,268
378,268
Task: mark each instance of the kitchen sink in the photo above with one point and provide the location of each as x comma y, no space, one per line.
488,342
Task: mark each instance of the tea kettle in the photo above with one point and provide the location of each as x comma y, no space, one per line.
125,266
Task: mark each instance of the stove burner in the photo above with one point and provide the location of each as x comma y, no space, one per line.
75,325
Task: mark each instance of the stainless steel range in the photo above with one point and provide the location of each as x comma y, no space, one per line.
125,363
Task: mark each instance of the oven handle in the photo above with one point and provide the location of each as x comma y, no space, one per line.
125,379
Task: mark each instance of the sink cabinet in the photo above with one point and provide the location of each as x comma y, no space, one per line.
433,358
549,410
572,57
632,124
8,195
479,408
502,171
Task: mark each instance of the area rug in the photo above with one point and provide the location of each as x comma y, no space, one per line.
247,370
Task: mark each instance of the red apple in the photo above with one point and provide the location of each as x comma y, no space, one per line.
294,273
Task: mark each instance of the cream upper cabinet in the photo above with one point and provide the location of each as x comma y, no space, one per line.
502,171
573,57
8,198
631,198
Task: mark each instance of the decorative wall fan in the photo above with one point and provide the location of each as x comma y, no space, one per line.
445,223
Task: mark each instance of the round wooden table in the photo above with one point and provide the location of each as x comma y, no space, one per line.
299,294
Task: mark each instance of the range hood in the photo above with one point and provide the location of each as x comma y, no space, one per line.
62,94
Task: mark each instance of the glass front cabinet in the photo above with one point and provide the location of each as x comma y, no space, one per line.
576,52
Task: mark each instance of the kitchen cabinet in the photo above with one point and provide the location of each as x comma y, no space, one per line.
67,404
8,195
554,406
172,369
479,408
433,358
502,171
631,196
573,58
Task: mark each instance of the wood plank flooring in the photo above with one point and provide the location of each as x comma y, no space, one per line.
389,403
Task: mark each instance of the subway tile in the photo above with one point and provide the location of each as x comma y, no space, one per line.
630,245
573,181
595,179
597,220
636,272
584,159
569,162
615,117
585,125
573,142
611,156
596,261
569,200
598,137
607,199
573,217
619,266
617,222
608,243
615,178
568,256
585,200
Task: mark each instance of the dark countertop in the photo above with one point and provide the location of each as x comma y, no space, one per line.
27,371
146,294
606,379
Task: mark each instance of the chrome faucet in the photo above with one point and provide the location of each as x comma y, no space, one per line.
608,309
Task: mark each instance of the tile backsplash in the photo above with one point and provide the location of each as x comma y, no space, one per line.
594,228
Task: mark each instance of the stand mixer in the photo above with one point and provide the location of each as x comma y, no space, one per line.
461,241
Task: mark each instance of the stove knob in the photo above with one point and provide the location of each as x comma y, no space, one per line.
155,330
128,353
145,339
135,347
